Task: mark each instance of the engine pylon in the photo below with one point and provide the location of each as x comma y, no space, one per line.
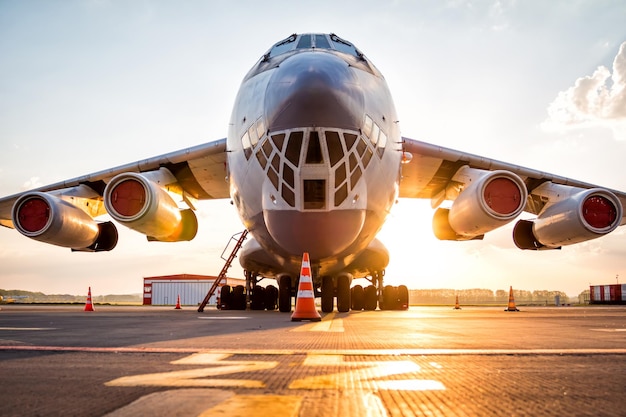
511,306
305,303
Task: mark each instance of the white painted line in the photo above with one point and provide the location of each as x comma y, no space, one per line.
27,328
608,330
344,352
224,318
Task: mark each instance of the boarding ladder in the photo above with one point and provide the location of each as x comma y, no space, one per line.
239,237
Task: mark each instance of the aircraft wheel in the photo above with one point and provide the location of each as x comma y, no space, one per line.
258,298
271,297
225,298
239,299
403,297
390,298
370,301
358,298
343,294
327,295
284,294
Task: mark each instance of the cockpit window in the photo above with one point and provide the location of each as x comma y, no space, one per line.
321,42
344,46
305,42
283,46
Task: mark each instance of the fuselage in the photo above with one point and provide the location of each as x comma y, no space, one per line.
314,158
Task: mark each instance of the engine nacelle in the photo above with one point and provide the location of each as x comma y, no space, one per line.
142,205
489,200
582,216
49,219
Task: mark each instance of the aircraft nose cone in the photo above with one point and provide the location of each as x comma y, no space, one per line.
314,89
322,234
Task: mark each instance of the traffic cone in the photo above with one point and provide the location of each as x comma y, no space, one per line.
178,303
305,302
456,304
89,304
511,306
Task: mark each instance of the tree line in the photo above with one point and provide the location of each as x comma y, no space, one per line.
485,296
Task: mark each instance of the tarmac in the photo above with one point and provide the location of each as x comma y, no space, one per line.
427,361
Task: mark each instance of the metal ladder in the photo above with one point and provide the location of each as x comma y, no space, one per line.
229,261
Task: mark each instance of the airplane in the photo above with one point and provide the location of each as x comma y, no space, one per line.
313,162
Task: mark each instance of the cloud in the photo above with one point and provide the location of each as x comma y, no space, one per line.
34,182
598,100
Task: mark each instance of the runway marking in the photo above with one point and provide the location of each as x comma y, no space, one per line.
224,318
199,377
257,405
27,328
345,352
328,324
367,374
608,330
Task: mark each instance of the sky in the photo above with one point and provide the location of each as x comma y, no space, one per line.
90,84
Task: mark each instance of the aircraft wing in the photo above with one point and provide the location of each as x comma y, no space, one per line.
195,173
438,173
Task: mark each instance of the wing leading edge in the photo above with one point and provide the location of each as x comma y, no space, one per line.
194,173
569,211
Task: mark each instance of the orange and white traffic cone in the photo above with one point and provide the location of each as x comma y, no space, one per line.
89,304
456,304
178,307
511,306
305,303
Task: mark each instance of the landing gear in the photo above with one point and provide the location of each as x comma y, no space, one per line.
328,294
370,298
358,298
284,294
343,293
252,295
385,297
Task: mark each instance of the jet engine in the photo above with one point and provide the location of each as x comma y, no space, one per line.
579,216
487,201
49,219
143,205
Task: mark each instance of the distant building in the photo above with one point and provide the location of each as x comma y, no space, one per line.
165,290
607,294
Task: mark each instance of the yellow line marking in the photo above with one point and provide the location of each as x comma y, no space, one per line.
328,324
199,377
367,376
257,405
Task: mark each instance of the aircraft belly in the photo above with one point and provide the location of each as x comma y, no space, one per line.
264,255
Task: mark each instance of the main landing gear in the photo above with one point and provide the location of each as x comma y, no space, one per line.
360,298
254,296
329,289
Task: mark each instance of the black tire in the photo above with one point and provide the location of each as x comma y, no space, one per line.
239,298
257,301
328,294
343,294
371,300
284,294
390,298
358,298
271,297
403,297
225,298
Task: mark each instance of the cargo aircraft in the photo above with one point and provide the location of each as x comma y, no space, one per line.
314,161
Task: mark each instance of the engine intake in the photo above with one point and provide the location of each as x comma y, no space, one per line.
144,206
582,216
46,218
489,200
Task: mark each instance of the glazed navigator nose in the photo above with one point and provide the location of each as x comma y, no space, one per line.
314,89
